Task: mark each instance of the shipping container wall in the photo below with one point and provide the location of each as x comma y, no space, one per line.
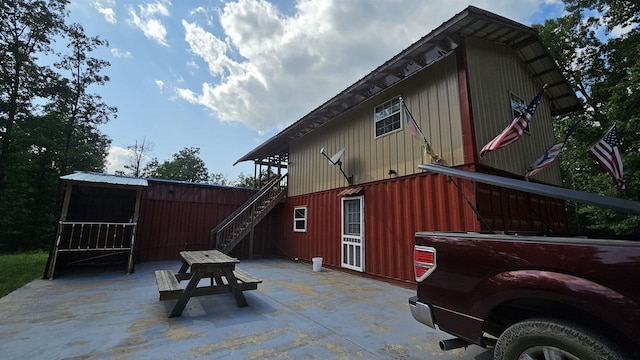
510,210
432,97
498,79
179,216
393,211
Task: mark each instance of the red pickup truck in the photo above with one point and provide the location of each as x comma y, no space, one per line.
531,297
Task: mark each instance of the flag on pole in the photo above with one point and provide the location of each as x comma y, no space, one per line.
418,135
548,157
607,153
513,132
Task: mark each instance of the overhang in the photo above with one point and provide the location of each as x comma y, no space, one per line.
472,22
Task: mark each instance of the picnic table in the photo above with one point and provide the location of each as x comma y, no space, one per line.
220,268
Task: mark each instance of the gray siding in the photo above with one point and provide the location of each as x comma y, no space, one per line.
432,96
495,72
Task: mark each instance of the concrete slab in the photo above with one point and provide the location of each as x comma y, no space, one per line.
295,314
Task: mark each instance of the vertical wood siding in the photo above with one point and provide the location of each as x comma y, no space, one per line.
490,87
432,96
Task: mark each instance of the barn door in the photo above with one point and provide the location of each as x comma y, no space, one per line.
353,233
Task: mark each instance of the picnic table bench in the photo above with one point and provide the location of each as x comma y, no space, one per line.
213,264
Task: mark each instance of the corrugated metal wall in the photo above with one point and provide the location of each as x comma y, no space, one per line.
176,216
490,87
432,96
394,210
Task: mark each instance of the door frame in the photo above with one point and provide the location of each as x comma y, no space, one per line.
360,237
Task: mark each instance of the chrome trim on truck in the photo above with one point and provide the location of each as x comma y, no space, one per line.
421,312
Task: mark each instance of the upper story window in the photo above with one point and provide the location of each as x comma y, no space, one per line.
387,117
300,219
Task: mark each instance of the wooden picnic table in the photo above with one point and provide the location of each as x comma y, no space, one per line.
196,265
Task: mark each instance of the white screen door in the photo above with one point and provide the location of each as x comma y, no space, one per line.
353,233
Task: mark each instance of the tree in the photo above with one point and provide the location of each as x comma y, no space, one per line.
138,153
218,179
185,166
82,110
28,27
48,119
606,72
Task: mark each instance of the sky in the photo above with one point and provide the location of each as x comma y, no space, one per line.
226,75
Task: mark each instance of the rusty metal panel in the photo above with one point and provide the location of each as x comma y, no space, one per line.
490,88
179,216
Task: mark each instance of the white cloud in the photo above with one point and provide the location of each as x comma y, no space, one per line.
105,7
147,20
120,53
117,158
160,85
268,69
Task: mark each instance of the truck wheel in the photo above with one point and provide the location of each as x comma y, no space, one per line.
552,339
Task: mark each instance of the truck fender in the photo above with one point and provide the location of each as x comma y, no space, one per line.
603,303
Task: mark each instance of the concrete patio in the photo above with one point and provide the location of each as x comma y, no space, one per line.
295,314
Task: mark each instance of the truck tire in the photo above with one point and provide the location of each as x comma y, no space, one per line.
553,339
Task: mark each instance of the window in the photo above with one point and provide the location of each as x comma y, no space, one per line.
518,107
300,219
387,117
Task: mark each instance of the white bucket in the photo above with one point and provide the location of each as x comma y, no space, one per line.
317,264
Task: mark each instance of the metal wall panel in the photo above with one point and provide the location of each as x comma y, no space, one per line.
432,96
490,87
177,216
393,209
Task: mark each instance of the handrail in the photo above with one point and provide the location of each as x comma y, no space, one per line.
249,202
241,215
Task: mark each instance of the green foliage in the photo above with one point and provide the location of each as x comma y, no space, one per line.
185,166
48,117
606,73
17,270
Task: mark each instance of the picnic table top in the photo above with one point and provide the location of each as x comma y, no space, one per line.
207,257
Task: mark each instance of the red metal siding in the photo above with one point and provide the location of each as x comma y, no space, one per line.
393,211
505,209
176,217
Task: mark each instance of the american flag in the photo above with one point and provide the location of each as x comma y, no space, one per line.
551,154
418,135
607,154
513,132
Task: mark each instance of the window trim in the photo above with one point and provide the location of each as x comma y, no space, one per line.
399,112
303,219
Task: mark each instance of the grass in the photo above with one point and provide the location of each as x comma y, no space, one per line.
16,270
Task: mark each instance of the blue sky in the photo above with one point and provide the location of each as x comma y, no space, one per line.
225,76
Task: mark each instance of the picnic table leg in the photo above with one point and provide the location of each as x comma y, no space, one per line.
187,292
233,285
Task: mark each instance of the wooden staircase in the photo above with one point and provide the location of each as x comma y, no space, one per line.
241,222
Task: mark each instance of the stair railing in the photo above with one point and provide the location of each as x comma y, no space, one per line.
237,225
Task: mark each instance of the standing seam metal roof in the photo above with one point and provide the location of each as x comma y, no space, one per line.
99,178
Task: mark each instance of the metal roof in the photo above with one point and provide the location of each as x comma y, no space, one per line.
100,178
627,206
473,22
